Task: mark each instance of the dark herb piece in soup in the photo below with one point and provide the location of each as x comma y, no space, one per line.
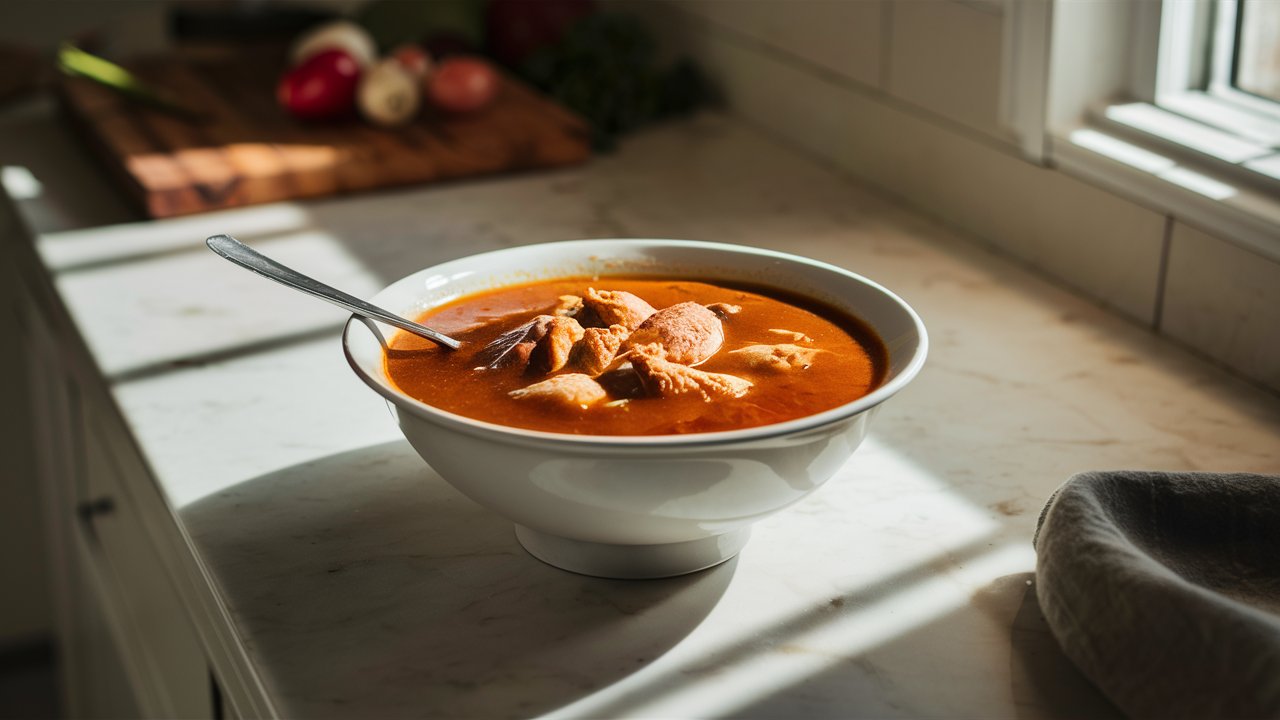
633,356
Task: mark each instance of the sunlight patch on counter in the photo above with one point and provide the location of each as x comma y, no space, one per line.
893,546
20,183
790,662
140,241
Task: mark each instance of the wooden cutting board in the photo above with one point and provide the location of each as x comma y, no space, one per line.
249,151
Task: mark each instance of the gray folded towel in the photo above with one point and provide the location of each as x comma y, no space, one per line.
1164,588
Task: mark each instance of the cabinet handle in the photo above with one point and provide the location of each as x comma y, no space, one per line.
89,509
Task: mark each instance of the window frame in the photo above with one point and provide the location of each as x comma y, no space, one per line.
1104,55
1225,59
1191,71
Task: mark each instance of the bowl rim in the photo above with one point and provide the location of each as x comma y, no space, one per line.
526,436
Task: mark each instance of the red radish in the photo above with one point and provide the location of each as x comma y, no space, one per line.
414,59
323,86
462,85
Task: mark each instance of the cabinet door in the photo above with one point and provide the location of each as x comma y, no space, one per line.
162,651
89,664
125,645
103,688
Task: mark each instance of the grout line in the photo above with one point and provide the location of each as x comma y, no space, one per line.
1162,273
986,7
844,82
886,43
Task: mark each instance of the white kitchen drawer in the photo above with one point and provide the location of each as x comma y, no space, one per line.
162,652
126,644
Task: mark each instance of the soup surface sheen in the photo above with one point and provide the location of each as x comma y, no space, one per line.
841,361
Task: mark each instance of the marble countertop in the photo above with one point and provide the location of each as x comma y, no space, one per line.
359,584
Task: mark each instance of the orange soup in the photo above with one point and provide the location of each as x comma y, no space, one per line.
637,356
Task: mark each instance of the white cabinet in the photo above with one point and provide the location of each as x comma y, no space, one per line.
126,644
161,650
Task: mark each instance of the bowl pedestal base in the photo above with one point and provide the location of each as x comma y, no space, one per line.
632,562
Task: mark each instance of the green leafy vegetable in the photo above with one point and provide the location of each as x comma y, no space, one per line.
605,69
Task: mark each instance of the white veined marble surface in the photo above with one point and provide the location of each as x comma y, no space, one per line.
361,585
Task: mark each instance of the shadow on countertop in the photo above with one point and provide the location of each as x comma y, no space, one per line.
365,585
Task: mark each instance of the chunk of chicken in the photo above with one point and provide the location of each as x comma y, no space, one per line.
689,333
514,346
571,391
540,345
791,335
595,351
551,352
663,378
777,358
724,310
568,305
602,308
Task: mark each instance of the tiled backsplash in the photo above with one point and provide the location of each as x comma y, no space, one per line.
835,35
1223,301
945,57
904,94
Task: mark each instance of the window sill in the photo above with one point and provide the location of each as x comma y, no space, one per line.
1211,200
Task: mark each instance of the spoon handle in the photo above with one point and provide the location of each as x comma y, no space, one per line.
250,259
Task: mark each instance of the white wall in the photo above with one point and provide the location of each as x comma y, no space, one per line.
904,94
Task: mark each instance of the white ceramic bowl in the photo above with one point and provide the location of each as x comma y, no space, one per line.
644,506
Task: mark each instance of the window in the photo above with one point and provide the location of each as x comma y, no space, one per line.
1175,104
1216,85
1256,66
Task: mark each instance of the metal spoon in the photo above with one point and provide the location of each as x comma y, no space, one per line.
246,257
